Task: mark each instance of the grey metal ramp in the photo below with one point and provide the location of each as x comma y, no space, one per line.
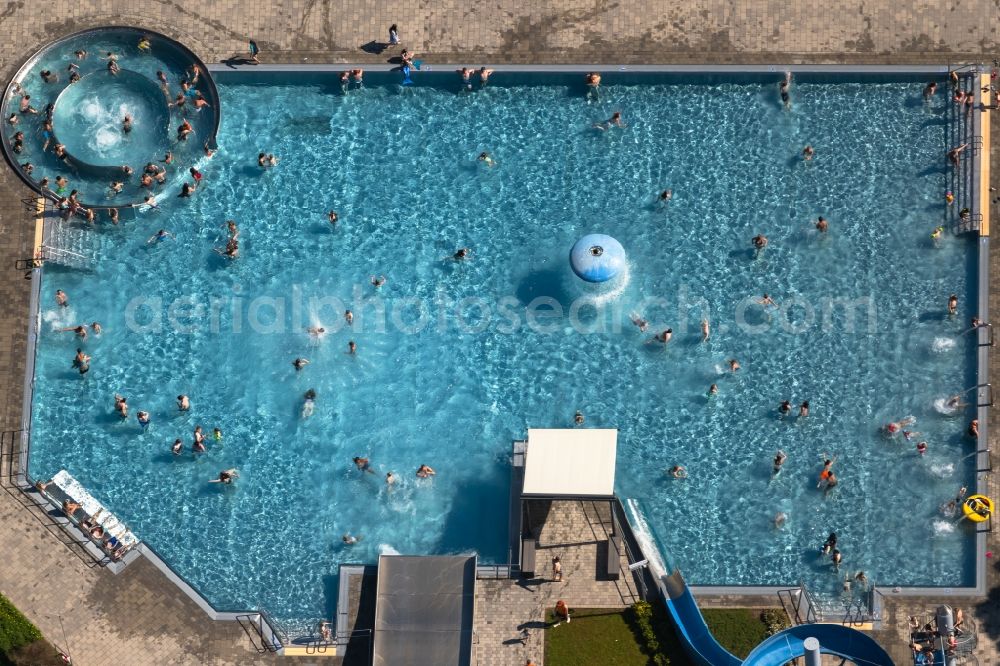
424,610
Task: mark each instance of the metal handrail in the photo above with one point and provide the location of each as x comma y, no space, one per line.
989,389
989,327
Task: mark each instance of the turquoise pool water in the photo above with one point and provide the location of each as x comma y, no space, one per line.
87,116
449,382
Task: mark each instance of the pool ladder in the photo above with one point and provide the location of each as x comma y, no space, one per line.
66,245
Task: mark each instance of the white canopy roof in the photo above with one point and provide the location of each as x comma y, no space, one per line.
575,462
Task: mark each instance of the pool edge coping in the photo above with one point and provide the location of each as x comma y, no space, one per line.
981,165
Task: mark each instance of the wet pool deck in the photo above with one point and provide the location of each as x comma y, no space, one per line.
139,617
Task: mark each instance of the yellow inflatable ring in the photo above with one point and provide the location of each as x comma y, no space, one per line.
977,508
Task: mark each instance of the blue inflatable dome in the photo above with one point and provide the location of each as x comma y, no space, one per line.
597,258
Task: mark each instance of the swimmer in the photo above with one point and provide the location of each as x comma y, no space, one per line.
955,402
187,190
961,494
316,332
177,447
121,405
783,89
614,121
160,235
973,430
804,409
377,281
390,479
779,460
461,254
332,217
300,363
309,403
831,482
948,509
272,160
183,403
664,198
734,365
62,300
349,317
115,188
929,91
81,362
822,225
578,418
425,471
80,54
678,472
143,44
357,75
81,331
639,321
363,465
921,448
352,348
706,330
713,390
209,151
663,336
952,304
593,83
184,130
484,75
149,201
96,328
767,301
826,473
807,153
836,558
487,159
936,234
829,544
143,418
127,124
953,154
197,175
232,230
350,541
466,75
216,434
198,445
893,427
779,519
785,408
226,476
949,198
759,242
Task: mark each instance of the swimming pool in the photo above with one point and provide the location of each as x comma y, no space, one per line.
469,358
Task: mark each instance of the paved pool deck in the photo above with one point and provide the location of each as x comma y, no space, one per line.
138,617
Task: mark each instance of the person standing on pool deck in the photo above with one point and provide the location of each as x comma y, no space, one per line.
254,52
393,35
556,569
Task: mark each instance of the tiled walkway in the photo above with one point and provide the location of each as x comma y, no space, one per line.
142,620
510,615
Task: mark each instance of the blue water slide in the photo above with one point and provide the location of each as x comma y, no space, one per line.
698,641
777,650
833,639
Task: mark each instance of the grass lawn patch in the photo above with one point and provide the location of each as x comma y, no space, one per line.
605,637
739,630
20,641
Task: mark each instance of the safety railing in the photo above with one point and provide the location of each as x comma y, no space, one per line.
989,337
497,571
252,625
798,605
